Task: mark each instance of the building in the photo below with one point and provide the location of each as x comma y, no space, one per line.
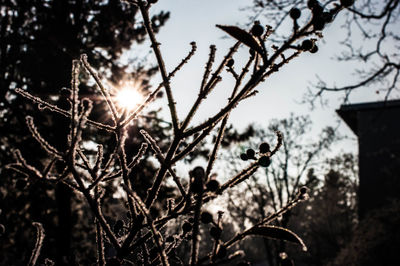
377,126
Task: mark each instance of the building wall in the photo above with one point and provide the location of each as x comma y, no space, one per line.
379,157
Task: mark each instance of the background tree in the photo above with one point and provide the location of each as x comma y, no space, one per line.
38,41
371,40
328,218
292,168
375,245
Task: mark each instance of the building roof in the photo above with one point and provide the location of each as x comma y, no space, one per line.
348,112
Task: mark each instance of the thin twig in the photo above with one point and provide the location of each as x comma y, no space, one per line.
155,45
38,245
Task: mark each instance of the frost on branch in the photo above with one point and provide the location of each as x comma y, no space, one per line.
141,237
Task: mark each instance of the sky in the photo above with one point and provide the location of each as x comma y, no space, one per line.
282,94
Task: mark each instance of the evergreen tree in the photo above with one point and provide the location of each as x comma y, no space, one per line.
38,41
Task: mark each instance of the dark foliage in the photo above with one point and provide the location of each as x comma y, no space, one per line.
38,41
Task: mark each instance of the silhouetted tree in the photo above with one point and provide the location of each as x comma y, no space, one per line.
371,40
292,168
38,41
327,220
376,244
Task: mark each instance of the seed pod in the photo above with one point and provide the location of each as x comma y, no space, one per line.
212,185
215,232
317,10
244,157
230,63
307,45
295,13
206,217
303,190
250,153
257,30
196,187
264,161
198,174
186,227
314,49
264,147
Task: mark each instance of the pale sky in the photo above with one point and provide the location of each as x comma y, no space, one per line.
194,20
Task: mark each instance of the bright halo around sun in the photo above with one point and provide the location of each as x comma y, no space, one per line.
128,98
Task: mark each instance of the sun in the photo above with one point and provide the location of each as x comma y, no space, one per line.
128,98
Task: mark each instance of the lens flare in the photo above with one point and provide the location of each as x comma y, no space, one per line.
128,98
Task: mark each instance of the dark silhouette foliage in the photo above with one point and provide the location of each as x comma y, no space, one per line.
373,245
38,41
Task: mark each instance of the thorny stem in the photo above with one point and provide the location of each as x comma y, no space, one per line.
38,245
207,71
178,212
243,175
192,145
185,206
264,221
210,84
100,245
184,61
255,79
160,61
137,111
99,233
156,234
161,159
94,206
152,193
75,91
103,90
195,231
216,241
124,166
56,109
70,159
221,131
